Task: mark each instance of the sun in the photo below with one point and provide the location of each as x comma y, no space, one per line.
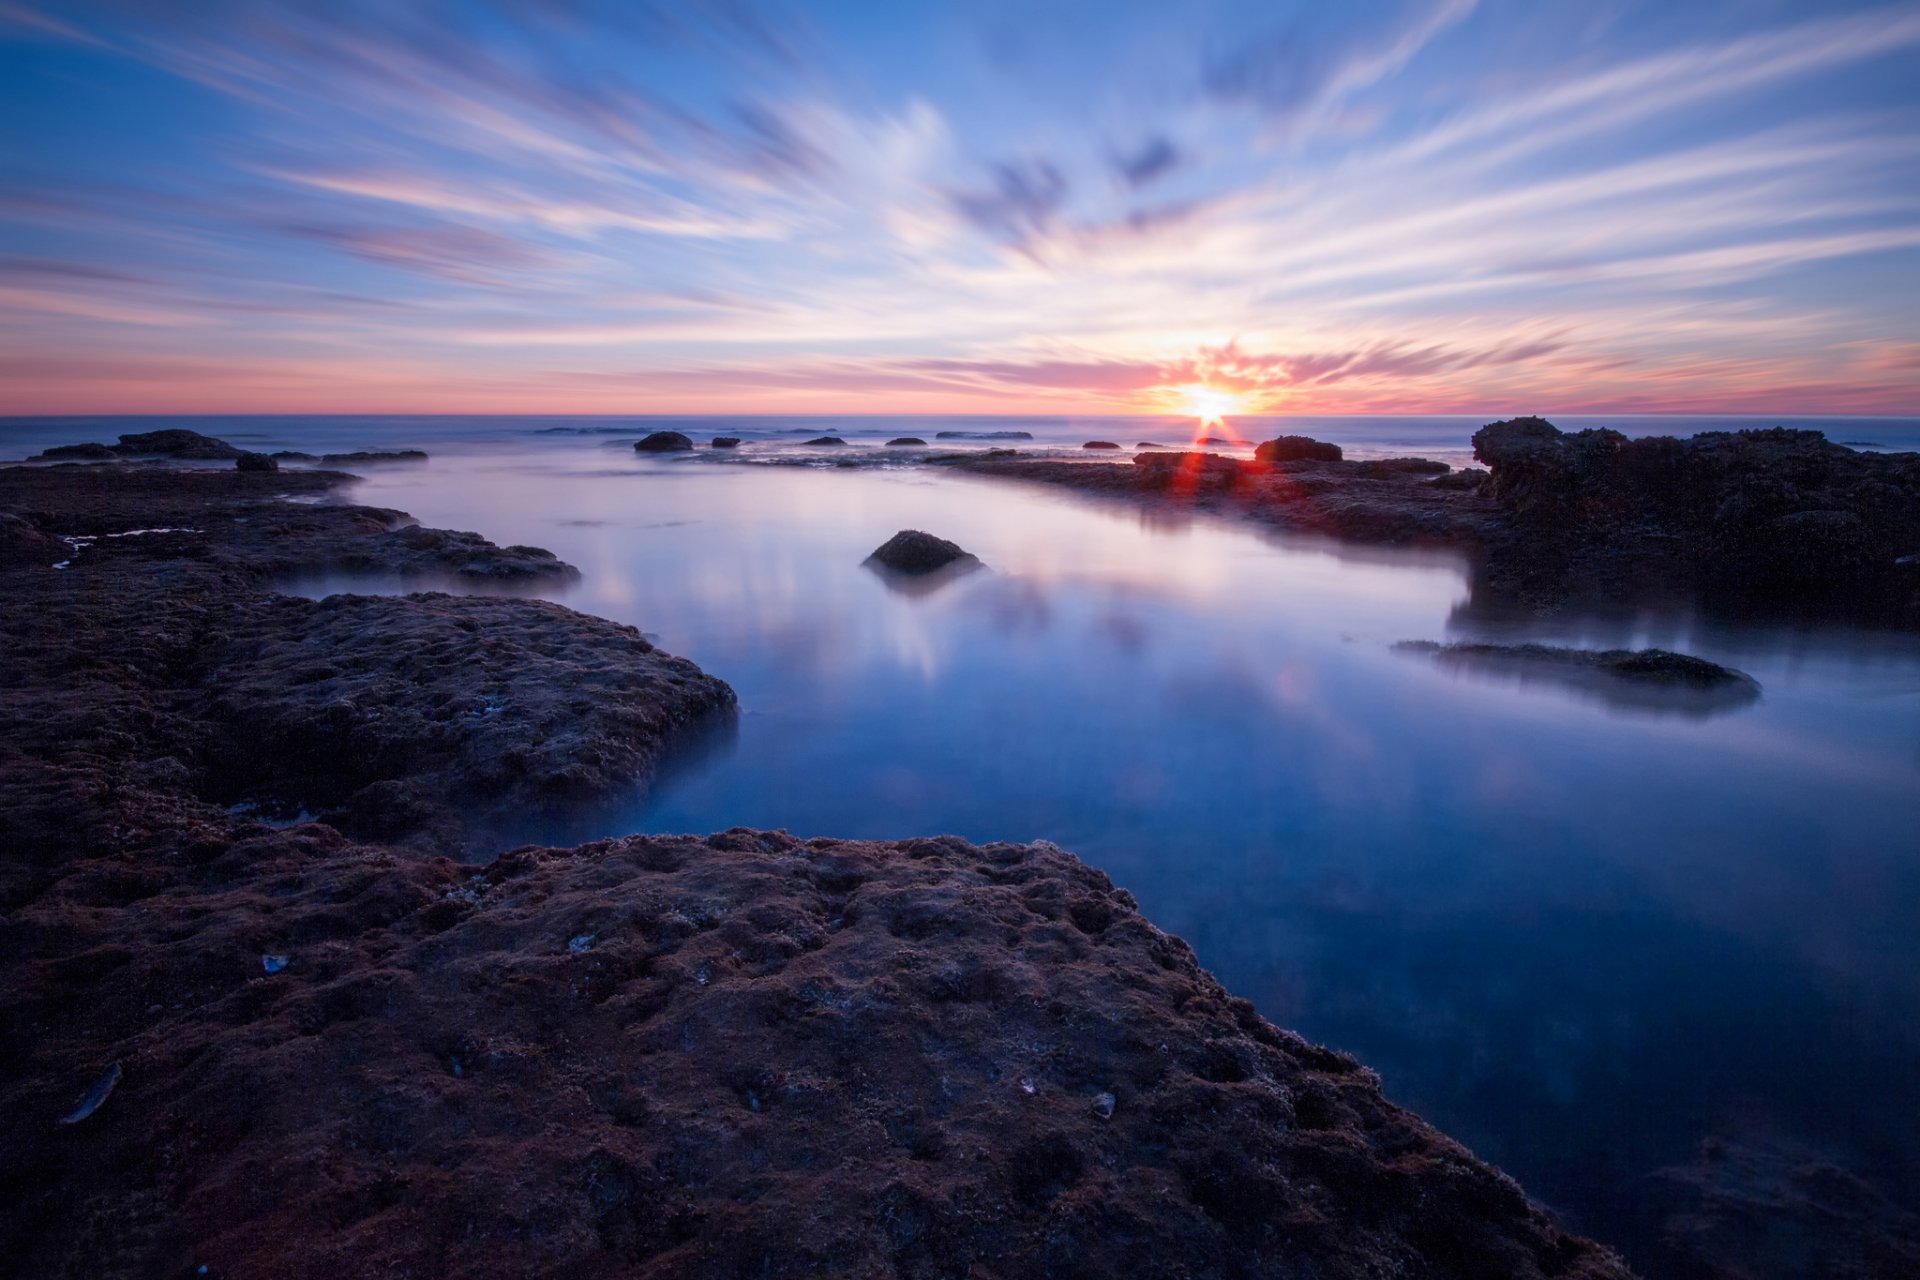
1210,405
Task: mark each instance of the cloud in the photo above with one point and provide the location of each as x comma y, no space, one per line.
1021,204
1155,159
1299,71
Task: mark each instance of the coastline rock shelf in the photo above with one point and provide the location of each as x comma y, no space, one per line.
240,1041
1779,520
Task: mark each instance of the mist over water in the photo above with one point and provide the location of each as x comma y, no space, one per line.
1581,934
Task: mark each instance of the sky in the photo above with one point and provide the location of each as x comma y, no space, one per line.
566,206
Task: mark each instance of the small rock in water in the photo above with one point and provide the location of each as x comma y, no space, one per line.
824,440
1297,449
1103,1104
274,964
911,551
663,442
724,442
906,440
580,943
1099,444
94,1096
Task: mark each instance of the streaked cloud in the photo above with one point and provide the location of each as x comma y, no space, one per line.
1397,206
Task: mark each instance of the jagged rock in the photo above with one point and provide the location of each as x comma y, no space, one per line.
663,442
1297,449
911,551
1771,510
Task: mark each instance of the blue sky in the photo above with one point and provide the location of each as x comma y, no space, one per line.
1417,206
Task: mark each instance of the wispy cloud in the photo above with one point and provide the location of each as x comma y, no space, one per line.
1409,204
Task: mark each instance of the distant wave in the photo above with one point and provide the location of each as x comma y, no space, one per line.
983,435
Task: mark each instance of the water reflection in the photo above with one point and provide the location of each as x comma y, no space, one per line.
1581,938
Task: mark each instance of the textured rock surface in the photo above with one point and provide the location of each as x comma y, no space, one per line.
305,1048
158,666
1774,521
1297,449
740,1055
1772,513
911,551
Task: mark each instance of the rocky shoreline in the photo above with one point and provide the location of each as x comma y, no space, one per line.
269,1007
1778,522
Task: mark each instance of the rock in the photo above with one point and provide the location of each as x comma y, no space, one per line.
738,1054
1148,444
23,544
255,462
365,456
423,717
1214,442
76,453
1401,467
293,455
724,442
663,442
1642,679
824,440
1099,444
905,440
1192,461
173,442
177,442
1764,512
1467,478
1297,449
911,551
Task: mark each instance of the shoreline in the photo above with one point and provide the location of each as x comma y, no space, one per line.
1762,523
331,1041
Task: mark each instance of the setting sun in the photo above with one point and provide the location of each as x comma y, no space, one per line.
1209,404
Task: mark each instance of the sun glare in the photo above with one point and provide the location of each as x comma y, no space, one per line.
1210,405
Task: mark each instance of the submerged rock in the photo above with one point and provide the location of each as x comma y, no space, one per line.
1644,679
256,462
824,440
1099,444
724,442
911,551
1297,449
906,440
663,442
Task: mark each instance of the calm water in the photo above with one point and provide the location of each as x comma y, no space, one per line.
1581,936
